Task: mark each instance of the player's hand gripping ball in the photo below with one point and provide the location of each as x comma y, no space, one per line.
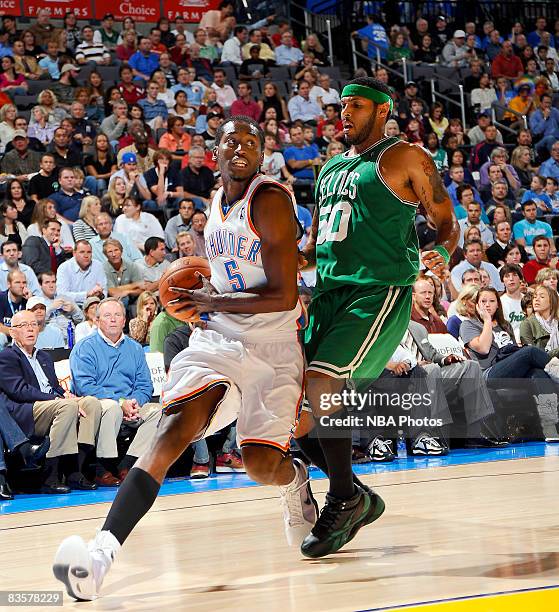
182,273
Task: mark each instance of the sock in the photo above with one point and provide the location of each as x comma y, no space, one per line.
127,462
106,464
310,446
83,452
25,450
134,498
2,477
51,470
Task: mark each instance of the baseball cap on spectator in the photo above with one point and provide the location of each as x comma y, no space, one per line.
36,300
129,158
411,84
68,68
483,114
213,114
90,300
441,18
19,134
459,34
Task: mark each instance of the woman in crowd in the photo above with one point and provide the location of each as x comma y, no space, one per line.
542,329
128,25
392,128
431,143
521,159
183,109
84,227
8,114
334,148
274,163
89,325
46,209
10,227
113,200
312,45
465,307
513,255
398,49
49,102
128,47
456,129
137,225
548,278
95,108
12,82
415,132
272,125
473,233
179,53
272,99
16,195
73,33
437,122
165,93
175,139
111,95
147,308
426,52
167,37
31,46
102,163
40,128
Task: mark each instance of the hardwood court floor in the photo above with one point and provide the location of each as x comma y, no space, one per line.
447,533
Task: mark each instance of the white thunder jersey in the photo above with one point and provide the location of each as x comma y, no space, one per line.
233,249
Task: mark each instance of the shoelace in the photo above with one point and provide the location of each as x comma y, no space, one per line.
291,503
380,444
328,516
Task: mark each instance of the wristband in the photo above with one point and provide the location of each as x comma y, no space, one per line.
442,252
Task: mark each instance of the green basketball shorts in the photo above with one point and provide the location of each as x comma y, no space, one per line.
353,331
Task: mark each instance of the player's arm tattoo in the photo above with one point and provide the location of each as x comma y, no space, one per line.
429,188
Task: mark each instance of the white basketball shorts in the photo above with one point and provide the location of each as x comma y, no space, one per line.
264,384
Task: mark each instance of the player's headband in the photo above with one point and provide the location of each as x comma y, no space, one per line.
368,92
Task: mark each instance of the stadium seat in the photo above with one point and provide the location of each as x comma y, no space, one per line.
25,102
279,73
423,72
36,87
108,73
230,72
333,71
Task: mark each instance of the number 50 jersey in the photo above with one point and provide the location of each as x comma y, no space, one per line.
233,250
366,233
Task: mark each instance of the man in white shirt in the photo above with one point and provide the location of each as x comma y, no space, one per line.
225,93
325,94
473,252
286,53
231,53
153,264
511,275
9,251
104,227
61,310
302,107
474,219
81,277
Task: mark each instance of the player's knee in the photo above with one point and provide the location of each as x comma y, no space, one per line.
262,463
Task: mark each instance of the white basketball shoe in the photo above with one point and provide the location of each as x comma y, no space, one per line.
300,509
82,567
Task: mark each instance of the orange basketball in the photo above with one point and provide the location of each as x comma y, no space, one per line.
182,273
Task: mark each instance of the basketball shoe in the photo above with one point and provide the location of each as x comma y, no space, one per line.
300,509
82,567
229,462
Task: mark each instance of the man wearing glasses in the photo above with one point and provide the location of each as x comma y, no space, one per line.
40,406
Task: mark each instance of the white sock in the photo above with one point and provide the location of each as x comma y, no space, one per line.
106,541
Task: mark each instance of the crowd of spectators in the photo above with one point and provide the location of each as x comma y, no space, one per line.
106,136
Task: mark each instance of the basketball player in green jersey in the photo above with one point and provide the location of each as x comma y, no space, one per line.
364,245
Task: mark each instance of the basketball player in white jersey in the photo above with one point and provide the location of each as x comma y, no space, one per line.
247,365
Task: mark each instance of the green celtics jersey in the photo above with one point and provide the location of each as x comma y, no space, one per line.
366,233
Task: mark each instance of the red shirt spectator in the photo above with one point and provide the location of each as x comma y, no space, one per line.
506,63
531,269
245,104
131,93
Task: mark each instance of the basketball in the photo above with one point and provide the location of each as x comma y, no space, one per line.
182,273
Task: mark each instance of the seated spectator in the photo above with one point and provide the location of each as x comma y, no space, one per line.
21,161
499,157
60,310
175,139
12,300
456,53
231,54
482,150
128,47
548,277
134,185
89,325
512,278
153,264
144,62
65,88
12,83
194,90
483,96
225,93
184,246
164,182
67,200
526,230
521,162
63,151
245,104
499,192
473,253
199,220
541,328
81,277
422,308
302,107
140,148
147,310
90,51
301,158
113,201
101,165
51,61
550,167
44,253
254,67
163,325
198,181
179,223
506,63
114,126
155,110
179,52
274,163
476,134
544,123
464,306
104,228
40,129
131,91
8,114
112,367
137,225
537,194
46,209
50,336
26,64
541,247
124,278
287,54
474,220
40,405
84,227
10,228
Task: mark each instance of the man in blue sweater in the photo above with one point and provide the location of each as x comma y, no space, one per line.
112,367
544,122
